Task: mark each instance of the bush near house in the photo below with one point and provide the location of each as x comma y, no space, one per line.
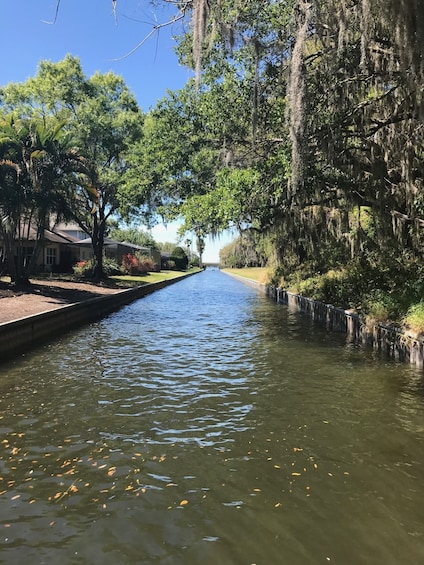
179,257
130,264
138,264
83,269
146,264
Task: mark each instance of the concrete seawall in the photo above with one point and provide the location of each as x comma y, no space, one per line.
24,334
390,340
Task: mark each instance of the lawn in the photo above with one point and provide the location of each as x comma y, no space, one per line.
259,274
150,277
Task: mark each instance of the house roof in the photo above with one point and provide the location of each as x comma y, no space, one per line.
111,243
59,237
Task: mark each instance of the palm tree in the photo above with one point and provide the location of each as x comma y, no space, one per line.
40,169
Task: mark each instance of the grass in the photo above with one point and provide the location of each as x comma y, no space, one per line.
125,280
150,277
259,274
414,319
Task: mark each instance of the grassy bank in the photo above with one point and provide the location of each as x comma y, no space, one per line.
259,274
134,280
378,297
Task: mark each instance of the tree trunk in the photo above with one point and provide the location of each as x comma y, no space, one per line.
97,241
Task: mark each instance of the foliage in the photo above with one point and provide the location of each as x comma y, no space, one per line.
146,263
135,264
103,120
166,246
83,269
38,165
242,252
130,264
379,306
414,318
133,235
110,267
179,258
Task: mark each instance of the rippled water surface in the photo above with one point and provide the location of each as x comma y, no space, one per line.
205,424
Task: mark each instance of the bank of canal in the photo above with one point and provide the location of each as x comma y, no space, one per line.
205,423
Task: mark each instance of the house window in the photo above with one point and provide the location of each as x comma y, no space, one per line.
51,256
27,254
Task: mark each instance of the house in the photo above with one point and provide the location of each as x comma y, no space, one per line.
66,244
57,254
115,250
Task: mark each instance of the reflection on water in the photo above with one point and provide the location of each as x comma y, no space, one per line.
206,424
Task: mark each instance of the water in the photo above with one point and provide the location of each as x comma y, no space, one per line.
207,424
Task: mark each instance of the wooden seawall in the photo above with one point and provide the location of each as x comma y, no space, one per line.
390,340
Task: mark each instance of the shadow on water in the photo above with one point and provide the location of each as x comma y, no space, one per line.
207,424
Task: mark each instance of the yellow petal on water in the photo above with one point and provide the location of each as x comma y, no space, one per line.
171,485
111,471
277,505
296,474
257,490
183,502
16,496
330,474
73,488
277,467
129,487
101,466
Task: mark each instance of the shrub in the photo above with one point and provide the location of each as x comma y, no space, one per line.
83,269
179,256
379,306
111,267
170,264
414,319
146,263
130,264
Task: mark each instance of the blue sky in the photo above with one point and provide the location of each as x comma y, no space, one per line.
87,29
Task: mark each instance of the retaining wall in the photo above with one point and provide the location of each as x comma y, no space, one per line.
388,339
26,333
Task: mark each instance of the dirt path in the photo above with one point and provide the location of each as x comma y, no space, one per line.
45,295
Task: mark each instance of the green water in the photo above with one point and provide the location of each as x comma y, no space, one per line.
205,424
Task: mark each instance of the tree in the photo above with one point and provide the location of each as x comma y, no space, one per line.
179,256
133,235
351,73
39,166
104,121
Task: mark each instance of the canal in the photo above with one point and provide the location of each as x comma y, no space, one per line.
206,424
